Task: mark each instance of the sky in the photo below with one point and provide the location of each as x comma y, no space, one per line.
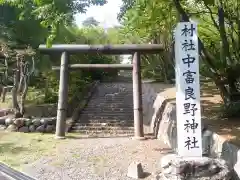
106,15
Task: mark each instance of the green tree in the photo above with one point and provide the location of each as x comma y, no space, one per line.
51,13
219,35
220,53
25,25
143,24
90,21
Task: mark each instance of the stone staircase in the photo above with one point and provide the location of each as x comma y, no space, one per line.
110,110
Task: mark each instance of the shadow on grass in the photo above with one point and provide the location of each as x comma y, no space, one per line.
11,148
145,175
208,89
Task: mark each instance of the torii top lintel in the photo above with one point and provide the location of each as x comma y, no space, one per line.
103,49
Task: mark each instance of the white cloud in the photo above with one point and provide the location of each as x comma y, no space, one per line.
106,15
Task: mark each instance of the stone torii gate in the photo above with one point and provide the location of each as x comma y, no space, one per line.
67,49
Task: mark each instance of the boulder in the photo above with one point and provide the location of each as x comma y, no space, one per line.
12,128
194,168
40,129
28,122
32,128
4,112
49,129
2,120
36,122
23,129
19,122
48,121
9,121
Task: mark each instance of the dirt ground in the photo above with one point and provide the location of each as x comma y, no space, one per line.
98,158
211,101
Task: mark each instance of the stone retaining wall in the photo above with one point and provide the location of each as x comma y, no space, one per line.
42,118
161,120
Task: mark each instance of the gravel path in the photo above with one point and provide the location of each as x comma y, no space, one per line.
97,159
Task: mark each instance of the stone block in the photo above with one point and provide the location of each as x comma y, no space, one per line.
135,170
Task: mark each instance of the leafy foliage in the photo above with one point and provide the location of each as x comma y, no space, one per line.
30,23
143,24
51,13
90,21
219,36
77,79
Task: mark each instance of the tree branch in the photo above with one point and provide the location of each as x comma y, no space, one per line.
222,30
202,51
211,15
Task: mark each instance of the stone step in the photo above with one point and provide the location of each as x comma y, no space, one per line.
105,133
118,103
108,105
108,110
108,121
106,113
102,105
105,107
116,117
117,98
102,128
111,101
104,124
105,118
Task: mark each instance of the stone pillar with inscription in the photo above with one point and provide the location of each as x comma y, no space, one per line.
189,162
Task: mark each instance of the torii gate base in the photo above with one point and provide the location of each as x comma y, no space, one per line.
117,49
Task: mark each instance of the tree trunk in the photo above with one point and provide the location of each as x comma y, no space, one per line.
23,95
224,93
4,93
15,88
1,90
15,94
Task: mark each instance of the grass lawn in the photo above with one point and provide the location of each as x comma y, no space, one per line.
17,149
